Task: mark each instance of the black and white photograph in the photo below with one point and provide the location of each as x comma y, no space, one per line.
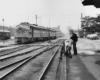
49,39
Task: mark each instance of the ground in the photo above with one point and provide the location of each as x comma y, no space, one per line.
86,66
7,42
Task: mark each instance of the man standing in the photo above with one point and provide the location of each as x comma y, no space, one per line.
75,39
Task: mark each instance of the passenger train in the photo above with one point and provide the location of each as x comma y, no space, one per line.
4,34
26,32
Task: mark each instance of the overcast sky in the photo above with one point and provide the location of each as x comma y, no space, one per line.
54,12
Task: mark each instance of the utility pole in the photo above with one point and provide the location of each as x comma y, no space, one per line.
49,23
81,19
3,29
78,28
82,27
59,29
36,19
78,31
49,31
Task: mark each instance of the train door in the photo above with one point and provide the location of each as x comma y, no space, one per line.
32,34
42,34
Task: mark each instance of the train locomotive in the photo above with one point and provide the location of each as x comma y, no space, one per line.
26,32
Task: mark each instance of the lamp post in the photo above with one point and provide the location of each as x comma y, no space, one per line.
3,29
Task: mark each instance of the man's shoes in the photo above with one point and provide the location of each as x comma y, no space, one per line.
70,56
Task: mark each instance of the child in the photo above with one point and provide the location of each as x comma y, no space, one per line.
66,48
68,44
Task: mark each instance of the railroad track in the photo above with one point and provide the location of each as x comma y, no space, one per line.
21,63
17,64
46,68
21,47
59,72
9,55
9,51
16,48
20,53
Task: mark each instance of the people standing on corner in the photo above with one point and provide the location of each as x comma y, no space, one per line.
74,37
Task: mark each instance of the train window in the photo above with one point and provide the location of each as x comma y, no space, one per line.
30,27
43,32
25,26
1,33
21,30
4,33
36,31
7,33
30,32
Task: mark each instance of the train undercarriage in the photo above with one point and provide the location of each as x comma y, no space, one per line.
30,40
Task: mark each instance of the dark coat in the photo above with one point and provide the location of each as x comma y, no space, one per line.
74,37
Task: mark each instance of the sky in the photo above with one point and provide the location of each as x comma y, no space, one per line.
50,13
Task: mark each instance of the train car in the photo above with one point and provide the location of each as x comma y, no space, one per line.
4,34
52,33
26,32
58,32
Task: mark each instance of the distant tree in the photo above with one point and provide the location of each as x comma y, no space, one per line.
90,24
88,21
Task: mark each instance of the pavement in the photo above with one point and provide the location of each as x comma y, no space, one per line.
85,65
6,43
78,70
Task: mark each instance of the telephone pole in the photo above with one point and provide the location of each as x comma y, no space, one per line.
49,23
49,31
36,19
81,19
3,29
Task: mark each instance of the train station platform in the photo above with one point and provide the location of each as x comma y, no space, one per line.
78,70
85,65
